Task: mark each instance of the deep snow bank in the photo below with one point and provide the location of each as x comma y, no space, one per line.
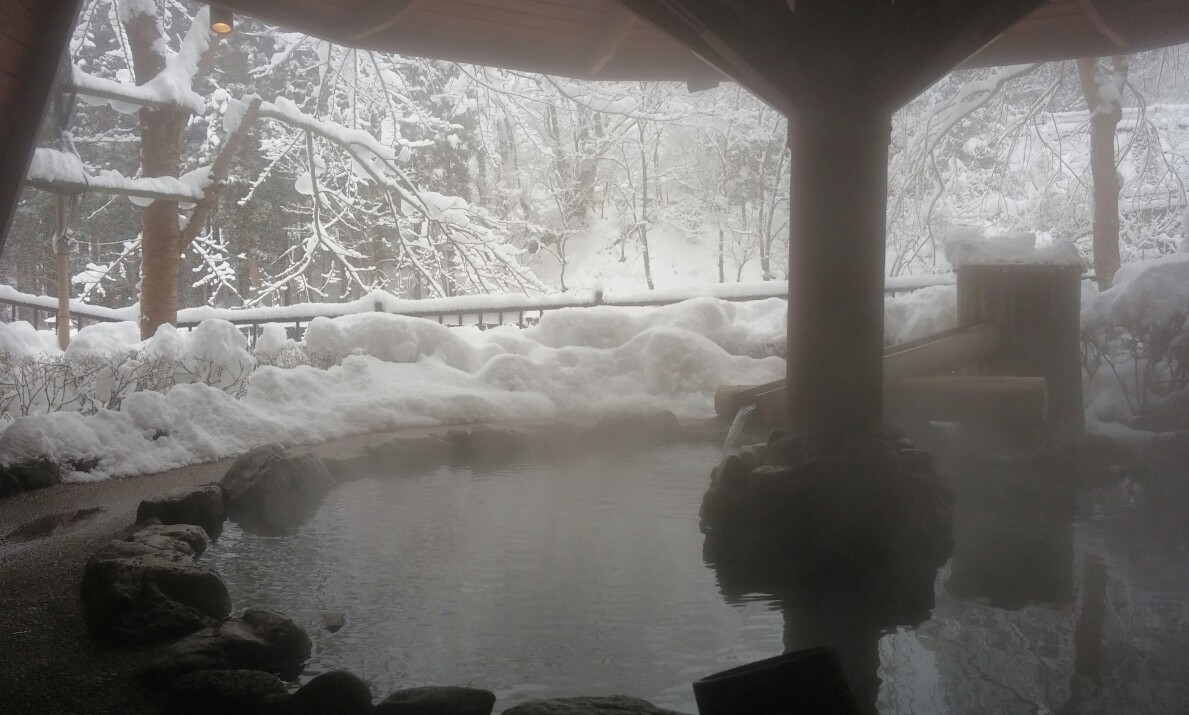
396,372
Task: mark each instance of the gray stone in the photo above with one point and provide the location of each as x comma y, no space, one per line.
38,474
337,692
608,705
226,692
404,452
202,506
187,539
8,482
271,491
148,589
637,429
483,444
332,621
52,524
257,640
441,700
347,467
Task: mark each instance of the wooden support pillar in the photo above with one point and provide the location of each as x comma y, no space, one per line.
838,200
34,37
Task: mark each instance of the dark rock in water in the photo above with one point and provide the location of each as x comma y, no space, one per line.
483,444
38,474
443,700
1166,458
273,704
1171,415
271,491
187,539
346,467
226,692
332,621
337,692
1103,460
637,429
257,640
609,705
405,452
52,524
148,589
828,506
202,506
1164,474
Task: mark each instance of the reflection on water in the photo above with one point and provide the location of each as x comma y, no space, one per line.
538,580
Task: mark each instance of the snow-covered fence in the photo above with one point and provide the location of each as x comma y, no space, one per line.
481,310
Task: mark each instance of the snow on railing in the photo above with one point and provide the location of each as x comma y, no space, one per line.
487,309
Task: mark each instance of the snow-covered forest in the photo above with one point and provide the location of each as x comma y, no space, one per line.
364,171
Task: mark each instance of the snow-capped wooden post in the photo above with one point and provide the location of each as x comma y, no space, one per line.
1037,308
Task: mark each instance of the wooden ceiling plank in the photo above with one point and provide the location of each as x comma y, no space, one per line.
421,27
707,33
381,16
1100,24
569,11
501,28
611,39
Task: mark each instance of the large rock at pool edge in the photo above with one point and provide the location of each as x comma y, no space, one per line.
646,429
148,589
37,474
441,700
226,692
337,692
271,491
257,640
608,705
202,506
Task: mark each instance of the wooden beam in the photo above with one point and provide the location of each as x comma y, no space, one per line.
941,353
75,188
380,15
116,96
26,100
930,38
611,39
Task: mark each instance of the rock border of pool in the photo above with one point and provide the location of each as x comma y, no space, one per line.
147,589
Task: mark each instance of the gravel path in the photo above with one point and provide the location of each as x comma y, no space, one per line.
49,665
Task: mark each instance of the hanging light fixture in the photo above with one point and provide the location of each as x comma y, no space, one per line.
222,21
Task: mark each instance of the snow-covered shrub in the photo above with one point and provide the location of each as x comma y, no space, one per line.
919,314
105,364
1137,332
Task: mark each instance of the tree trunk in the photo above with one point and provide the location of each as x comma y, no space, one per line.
160,155
1103,92
62,251
722,277
644,210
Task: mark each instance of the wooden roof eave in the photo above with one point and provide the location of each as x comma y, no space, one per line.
585,39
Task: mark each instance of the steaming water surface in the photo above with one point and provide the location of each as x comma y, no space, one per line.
544,580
